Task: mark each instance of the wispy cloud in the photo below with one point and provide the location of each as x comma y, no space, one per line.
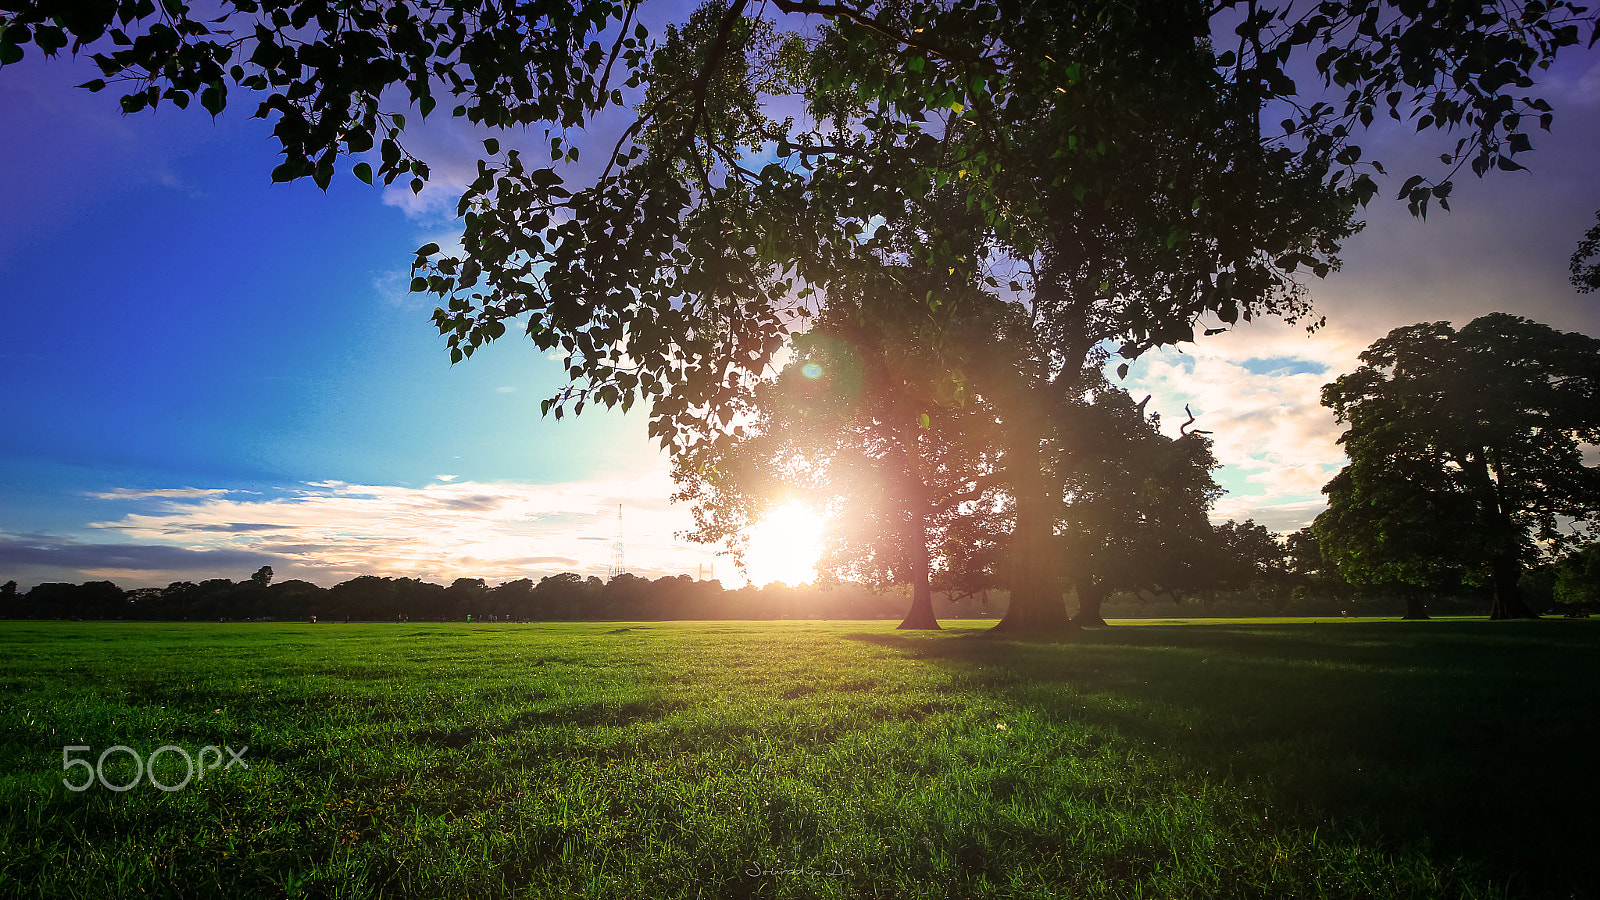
1258,391
332,531
170,493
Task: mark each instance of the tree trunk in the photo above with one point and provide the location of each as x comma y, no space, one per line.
1027,405
1036,599
1090,598
1505,568
1416,608
1508,602
914,497
921,615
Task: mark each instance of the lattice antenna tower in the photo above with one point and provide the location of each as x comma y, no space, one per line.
619,563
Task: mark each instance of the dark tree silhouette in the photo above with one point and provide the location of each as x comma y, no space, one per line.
1577,578
1134,503
864,422
1114,151
1466,451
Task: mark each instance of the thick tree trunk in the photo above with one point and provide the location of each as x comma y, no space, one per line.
1508,602
1505,569
1036,598
913,491
1029,405
921,616
1416,608
1090,598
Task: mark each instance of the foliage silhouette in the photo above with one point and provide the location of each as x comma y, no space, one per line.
1113,153
1466,455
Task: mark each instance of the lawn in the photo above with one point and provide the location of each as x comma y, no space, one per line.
802,759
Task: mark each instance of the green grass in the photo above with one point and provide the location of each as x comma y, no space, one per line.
1225,759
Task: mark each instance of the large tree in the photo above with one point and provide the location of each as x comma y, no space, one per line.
1467,450
1385,528
1115,152
1135,503
863,423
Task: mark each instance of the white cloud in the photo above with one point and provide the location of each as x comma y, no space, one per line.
172,493
1257,389
328,532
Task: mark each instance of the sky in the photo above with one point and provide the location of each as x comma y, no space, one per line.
205,372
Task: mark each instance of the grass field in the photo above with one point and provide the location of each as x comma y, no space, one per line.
801,759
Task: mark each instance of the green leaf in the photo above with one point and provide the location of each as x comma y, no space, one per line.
924,421
491,145
363,171
214,98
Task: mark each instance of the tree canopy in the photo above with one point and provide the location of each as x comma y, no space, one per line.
1082,174
1466,452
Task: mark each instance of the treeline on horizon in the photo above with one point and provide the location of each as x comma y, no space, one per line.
1256,590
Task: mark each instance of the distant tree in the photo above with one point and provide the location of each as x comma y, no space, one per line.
145,603
1134,502
467,597
292,599
10,601
1577,578
1400,527
1312,573
1466,452
1303,553
90,600
263,576
514,598
214,598
1250,557
51,600
563,597
627,596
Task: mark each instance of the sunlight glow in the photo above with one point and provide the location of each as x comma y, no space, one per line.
785,546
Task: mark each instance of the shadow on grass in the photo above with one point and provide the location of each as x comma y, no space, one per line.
589,715
1467,739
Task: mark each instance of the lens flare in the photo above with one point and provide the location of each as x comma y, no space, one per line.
785,546
811,370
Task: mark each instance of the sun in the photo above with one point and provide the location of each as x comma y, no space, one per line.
785,546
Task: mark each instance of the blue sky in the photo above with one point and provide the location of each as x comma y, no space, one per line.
205,372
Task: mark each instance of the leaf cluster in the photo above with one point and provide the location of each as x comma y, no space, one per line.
1466,447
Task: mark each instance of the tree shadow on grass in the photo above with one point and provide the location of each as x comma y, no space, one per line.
587,715
1469,739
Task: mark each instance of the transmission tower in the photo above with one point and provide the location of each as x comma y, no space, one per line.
618,562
